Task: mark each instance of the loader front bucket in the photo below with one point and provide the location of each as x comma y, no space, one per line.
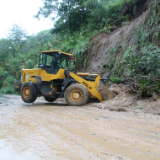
103,89
106,93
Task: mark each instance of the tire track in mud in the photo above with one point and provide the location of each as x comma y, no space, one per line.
56,131
80,142
56,118
70,138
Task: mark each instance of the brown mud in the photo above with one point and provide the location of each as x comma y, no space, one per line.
128,101
47,131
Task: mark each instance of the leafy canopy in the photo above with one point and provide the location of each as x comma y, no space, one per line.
20,51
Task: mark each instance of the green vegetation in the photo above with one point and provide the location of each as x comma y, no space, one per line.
140,61
144,67
78,21
76,15
114,79
141,107
19,51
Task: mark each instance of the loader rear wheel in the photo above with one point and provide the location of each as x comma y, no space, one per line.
29,92
49,99
76,95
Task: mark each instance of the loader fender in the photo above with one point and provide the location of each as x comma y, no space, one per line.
71,81
38,79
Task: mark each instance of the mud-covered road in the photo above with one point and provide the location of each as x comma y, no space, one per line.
48,131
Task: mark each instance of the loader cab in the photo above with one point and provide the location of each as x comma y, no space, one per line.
52,61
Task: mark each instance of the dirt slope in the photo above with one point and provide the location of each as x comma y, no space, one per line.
102,43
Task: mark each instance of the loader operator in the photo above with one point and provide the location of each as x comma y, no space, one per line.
54,67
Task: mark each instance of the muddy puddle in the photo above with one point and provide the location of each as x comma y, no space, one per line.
48,131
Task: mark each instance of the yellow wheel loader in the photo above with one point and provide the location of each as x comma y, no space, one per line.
53,80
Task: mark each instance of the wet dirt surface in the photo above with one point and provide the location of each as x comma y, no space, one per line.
47,131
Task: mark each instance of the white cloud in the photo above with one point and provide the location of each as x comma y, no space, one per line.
21,12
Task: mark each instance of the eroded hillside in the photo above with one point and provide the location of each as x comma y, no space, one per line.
107,50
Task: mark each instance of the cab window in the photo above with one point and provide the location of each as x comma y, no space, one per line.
49,60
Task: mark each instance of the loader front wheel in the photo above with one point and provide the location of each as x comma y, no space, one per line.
29,92
76,95
49,99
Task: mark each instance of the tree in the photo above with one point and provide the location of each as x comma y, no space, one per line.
5,49
17,36
73,14
20,51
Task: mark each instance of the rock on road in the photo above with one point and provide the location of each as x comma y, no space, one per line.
48,131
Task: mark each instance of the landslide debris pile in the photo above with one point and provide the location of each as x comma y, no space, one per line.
125,100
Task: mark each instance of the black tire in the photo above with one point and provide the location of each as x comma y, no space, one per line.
49,99
76,95
29,92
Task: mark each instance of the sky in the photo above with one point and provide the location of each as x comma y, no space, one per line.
21,12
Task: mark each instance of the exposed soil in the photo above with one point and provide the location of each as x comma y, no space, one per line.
123,36
128,101
47,131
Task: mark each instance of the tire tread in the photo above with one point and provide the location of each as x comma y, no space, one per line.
34,92
85,97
